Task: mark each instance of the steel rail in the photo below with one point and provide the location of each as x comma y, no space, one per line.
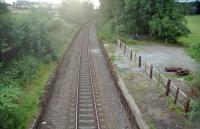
77,88
92,87
93,90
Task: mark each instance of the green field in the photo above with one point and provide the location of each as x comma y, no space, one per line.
194,26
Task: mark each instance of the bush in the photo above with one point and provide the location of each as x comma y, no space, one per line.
106,32
8,104
195,113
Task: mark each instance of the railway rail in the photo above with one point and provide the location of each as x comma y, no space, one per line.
86,105
88,111
80,95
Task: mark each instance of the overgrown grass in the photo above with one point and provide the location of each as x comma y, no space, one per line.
151,124
29,100
173,107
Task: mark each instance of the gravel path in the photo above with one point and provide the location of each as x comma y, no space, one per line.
59,111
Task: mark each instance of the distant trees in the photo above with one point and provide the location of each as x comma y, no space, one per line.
23,3
190,8
76,12
160,19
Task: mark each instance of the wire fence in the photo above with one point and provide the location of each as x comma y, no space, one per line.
155,74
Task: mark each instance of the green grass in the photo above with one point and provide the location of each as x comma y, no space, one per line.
29,101
194,26
172,106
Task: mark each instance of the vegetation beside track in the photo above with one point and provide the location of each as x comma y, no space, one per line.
24,77
31,46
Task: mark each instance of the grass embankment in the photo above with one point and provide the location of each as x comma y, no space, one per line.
29,102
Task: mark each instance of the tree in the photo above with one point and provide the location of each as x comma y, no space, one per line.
167,22
3,7
5,27
161,19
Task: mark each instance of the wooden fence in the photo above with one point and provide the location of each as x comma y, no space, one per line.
169,87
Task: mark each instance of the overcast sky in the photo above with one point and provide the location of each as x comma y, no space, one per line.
96,2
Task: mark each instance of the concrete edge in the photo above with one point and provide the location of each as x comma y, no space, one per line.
133,106
141,124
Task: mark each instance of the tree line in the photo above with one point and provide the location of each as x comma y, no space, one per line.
191,8
161,20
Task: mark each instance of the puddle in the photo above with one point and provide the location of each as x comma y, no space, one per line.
95,51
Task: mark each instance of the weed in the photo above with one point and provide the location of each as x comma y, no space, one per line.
173,107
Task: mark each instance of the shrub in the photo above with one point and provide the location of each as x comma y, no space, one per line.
8,99
195,113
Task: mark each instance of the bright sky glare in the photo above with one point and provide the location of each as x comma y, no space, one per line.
96,2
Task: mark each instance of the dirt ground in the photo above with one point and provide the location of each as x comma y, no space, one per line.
59,113
162,55
166,55
158,111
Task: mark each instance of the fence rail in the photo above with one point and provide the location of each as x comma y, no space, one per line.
154,73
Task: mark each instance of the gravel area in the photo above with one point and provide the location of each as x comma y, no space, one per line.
166,55
157,110
114,112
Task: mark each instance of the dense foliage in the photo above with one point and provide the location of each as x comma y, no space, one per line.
195,113
159,19
34,42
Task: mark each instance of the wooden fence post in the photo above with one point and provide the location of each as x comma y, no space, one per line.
124,49
131,55
168,87
151,72
140,61
176,97
159,76
186,105
135,56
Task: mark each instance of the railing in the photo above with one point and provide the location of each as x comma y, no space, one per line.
168,85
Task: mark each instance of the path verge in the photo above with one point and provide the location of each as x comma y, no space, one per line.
157,110
128,102
44,99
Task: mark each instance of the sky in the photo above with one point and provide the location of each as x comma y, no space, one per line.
96,2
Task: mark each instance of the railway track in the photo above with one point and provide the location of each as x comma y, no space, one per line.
86,103
83,96
86,106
